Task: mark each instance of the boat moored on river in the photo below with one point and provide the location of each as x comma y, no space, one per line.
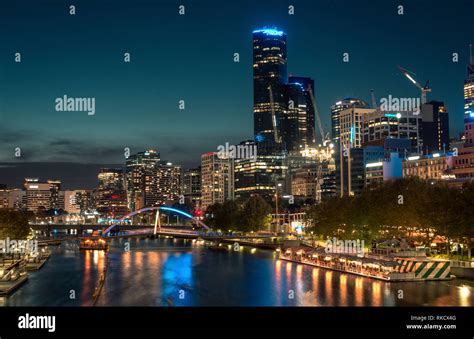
94,242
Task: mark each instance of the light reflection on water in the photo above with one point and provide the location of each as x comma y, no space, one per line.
172,272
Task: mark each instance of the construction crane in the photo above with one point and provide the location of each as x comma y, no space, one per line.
324,137
274,122
424,89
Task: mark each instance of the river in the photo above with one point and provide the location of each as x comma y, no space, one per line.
176,272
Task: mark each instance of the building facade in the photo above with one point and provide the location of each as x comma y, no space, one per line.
335,114
435,130
168,184
298,121
43,196
428,167
191,187
111,195
217,179
140,181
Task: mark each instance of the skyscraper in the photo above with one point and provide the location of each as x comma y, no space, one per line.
469,103
42,196
395,131
111,195
140,179
297,123
217,179
335,114
57,199
435,130
168,184
269,71
191,186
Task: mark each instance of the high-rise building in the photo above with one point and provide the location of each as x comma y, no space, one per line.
259,176
191,186
335,114
38,195
435,130
78,201
71,202
469,103
168,184
298,122
350,126
56,198
350,172
12,198
217,179
396,131
141,181
111,195
269,71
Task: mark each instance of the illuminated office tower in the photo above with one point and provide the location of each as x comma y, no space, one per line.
351,126
168,184
38,195
217,183
57,197
269,70
191,186
140,179
12,198
350,155
111,195
396,131
260,176
41,196
469,103
297,123
335,114
435,127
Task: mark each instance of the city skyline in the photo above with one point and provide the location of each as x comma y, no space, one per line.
60,137
309,154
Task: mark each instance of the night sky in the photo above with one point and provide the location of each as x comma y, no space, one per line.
190,57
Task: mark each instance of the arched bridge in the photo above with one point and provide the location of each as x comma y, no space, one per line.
157,219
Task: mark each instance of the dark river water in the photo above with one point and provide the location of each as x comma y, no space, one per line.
173,272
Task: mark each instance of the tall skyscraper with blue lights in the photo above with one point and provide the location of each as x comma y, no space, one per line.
269,80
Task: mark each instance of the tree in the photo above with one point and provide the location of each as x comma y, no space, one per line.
256,214
13,224
225,216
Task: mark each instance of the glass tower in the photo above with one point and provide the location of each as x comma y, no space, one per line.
269,71
469,104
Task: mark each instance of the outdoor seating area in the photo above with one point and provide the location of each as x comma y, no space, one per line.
380,269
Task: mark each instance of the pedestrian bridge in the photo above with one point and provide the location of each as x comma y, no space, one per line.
157,219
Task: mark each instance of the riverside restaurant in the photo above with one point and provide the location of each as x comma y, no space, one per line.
379,268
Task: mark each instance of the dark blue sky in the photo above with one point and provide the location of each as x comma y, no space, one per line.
190,57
